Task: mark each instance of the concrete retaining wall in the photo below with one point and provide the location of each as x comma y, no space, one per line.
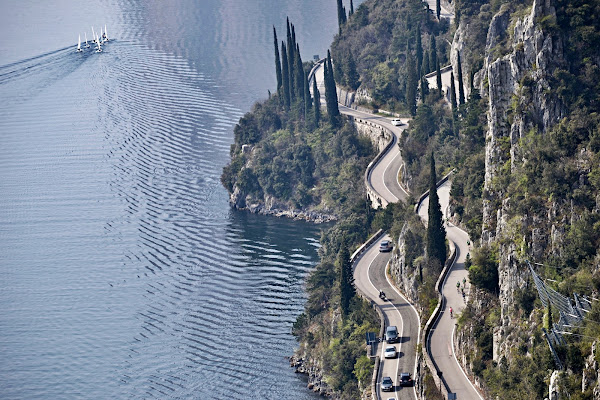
384,139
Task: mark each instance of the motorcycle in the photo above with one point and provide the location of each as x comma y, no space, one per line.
382,295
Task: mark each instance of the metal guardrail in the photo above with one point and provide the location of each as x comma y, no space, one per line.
353,259
442,70
371,192
433,319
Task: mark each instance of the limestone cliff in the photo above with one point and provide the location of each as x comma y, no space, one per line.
520,102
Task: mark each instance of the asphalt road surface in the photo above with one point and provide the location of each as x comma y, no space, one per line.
441,337
370,277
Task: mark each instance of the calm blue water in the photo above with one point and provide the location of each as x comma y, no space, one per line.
123,272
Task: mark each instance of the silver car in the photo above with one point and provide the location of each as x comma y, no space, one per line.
385,245
387,385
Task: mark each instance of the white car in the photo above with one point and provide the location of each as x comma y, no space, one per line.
390,352
397,122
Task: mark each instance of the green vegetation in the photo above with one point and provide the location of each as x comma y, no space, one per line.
347,291
546,189
382,36
436,233
331,93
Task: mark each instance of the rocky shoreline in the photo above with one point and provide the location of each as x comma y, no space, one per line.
271,207
315,377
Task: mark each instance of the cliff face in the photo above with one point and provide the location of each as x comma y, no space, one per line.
520,102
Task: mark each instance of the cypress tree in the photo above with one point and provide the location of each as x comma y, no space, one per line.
331,94
307,98
277,61
436,233
426,68
424,89
291,65
438,9
347,290
341,15
285,77
411,85
316,103
432,53
351,8
299,74
452,92
461,88
438,76
352,77
419,53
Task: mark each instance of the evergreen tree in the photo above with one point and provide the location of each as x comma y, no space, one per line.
432,53
461,88
285,77
316,103
436,233
419,53
352,77
307,98
291,64
277,61
424,89
411,85
331,94
347,290
438,76
438,9
426,67
338,72
299,74
452,92
341,15
351,8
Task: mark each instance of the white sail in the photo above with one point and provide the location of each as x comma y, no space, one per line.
93,34
105,34
79,43
86,43
99,50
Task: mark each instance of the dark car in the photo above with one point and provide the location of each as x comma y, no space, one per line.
405,379
387,385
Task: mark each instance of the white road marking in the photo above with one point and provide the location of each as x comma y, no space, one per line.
402,330
387,278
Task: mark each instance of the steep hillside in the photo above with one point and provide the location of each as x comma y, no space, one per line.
525,146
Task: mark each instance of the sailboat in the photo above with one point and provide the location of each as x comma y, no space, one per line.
105,35
99,50
79,44
94,34
87,45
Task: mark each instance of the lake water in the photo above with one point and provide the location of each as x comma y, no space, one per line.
123,271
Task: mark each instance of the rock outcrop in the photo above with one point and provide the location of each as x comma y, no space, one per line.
519,104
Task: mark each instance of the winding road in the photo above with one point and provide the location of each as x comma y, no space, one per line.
440,341
370,277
